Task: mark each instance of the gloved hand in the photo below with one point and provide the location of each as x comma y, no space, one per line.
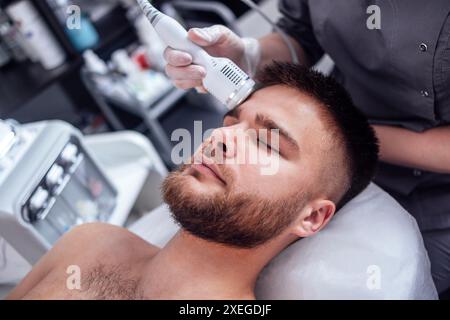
218,41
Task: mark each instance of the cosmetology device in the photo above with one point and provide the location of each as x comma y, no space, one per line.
49,183
224,79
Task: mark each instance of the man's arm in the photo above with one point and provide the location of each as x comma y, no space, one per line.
429,150
73,244
273,47
40,270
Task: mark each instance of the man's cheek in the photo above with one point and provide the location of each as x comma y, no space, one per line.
269,163
246,177
249,178
265,186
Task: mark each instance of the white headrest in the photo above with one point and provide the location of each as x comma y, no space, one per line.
371,249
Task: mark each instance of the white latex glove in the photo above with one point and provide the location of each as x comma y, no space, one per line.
218,41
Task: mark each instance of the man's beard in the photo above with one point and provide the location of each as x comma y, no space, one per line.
241,220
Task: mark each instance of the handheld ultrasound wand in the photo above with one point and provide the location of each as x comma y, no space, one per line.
224,79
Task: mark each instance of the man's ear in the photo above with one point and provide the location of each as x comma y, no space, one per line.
313,218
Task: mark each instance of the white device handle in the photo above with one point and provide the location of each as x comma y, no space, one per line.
176,37
224,79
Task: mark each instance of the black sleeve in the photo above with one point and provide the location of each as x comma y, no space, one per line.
296,22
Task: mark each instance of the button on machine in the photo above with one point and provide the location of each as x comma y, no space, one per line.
69,155
38,200
54,177
46,185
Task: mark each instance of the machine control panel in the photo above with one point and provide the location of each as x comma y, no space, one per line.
71,192
49,183
43,198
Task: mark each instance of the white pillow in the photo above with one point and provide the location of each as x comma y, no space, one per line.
371,249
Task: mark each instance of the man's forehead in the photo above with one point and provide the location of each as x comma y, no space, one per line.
283,104
296,112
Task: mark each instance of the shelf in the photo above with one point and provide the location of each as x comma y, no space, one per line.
115,32
19,83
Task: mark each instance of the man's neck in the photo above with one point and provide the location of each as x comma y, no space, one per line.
191,268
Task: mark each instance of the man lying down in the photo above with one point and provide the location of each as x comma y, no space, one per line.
234,219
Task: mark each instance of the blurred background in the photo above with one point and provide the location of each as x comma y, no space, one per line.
101,69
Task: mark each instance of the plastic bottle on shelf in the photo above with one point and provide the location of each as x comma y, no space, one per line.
101,75
150,39
77,25
145,85
94,63
39,38
12,38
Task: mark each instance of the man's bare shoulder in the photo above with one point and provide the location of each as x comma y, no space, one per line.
109,258
112,263
104,241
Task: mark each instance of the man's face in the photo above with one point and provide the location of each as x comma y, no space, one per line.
224,199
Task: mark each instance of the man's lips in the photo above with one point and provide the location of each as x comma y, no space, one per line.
211,169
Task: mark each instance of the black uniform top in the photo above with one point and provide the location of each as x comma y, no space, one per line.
397,75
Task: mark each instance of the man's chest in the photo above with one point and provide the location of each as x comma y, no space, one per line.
101,282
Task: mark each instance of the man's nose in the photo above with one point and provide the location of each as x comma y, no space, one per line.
223,143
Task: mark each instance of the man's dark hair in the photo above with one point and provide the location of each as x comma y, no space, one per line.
357,136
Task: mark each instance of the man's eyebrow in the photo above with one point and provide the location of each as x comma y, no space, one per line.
270,124
234,113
